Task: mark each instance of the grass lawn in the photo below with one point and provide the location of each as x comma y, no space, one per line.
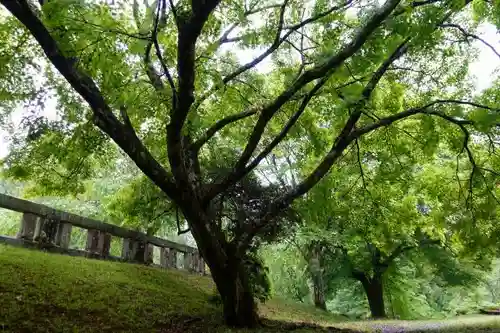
43,292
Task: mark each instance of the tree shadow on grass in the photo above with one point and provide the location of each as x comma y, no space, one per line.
199,324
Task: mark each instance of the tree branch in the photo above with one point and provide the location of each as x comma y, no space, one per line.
360,164
189,27
470,35
160,23
212,130
401,248
420,110
288,126
274,46
314,73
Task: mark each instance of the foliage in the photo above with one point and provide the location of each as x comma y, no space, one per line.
379,87
259,278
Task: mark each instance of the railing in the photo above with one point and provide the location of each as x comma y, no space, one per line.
47,228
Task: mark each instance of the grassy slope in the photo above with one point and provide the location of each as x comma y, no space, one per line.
42,292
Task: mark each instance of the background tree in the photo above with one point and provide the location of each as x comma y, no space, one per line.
157,82
384,222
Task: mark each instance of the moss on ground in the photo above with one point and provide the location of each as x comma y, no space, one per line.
43,292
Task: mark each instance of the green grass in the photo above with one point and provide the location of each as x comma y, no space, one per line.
43,292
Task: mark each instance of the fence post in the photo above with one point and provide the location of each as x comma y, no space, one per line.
188,261
98,243
138,251
168,258
28,226
63,235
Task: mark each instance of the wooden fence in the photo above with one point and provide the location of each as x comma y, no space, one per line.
50,229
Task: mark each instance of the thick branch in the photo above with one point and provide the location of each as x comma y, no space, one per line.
190,27
316,72
402,248
179,230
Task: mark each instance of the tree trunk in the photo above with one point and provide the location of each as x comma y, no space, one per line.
319,293
227,271
238,300
317,279
375,293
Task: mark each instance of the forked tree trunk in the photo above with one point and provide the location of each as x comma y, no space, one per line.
375,293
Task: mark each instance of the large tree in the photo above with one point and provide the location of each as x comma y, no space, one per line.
159,81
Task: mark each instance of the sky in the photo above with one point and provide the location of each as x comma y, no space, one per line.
484,69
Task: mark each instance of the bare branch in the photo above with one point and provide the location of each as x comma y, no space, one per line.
260,9
288,126
276,43
174,12
154,77
471,35
423,3
274,46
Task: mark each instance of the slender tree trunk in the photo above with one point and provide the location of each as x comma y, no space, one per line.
375,293
227,271
319,293
317,279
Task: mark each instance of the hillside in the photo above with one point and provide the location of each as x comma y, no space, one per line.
43,292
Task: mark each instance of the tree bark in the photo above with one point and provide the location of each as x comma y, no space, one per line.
227,270
232,282
375,294
319,293
317,278
237,297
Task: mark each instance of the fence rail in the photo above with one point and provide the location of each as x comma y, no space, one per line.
48,228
